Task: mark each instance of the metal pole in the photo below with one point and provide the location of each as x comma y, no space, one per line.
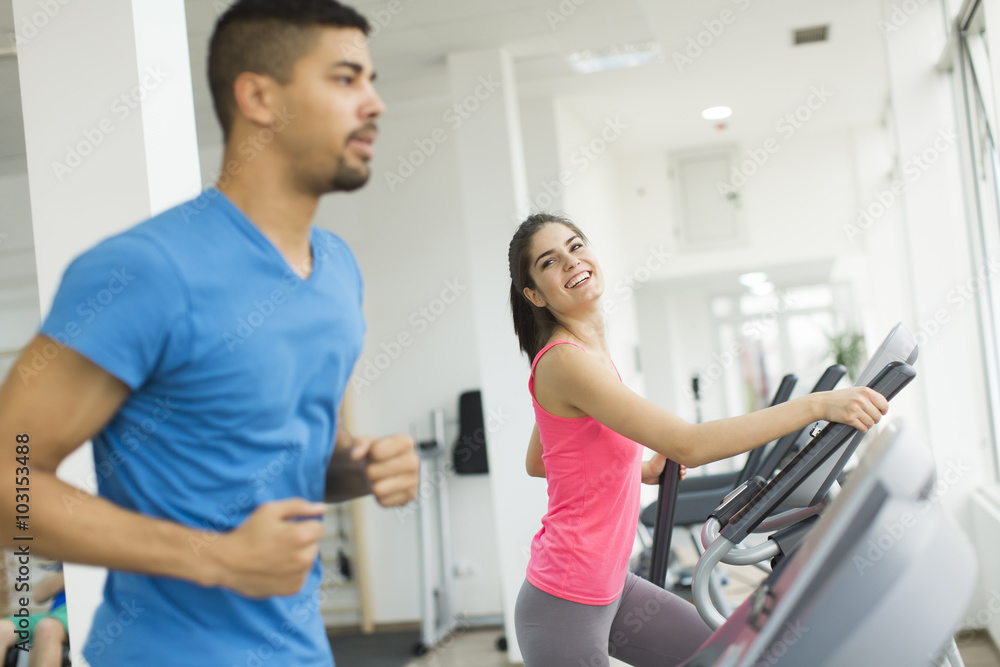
447,615
664,526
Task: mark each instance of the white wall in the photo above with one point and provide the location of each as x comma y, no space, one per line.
543,162
937,247
793,214
794,205
592,200
410,245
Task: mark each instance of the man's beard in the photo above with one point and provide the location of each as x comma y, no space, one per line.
348,178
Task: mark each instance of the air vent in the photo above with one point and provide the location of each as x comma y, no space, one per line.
811,35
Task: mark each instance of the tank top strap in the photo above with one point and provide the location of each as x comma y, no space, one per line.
548,347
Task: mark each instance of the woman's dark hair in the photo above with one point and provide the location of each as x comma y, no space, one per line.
533,325
267,37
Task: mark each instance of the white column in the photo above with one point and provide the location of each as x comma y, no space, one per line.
491,164
109,136
547,177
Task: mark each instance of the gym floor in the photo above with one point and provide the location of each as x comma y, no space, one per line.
476,649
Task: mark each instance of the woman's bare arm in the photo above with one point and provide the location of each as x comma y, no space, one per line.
586,385
534,464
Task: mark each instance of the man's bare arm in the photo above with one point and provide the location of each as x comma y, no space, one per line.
345,477
66,404
59,409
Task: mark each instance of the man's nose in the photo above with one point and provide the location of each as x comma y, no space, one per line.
374,106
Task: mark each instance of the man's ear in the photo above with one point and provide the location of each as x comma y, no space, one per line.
254,95
534,297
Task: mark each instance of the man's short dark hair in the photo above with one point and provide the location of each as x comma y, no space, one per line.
267,37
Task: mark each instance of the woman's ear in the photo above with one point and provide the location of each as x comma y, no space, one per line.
534,297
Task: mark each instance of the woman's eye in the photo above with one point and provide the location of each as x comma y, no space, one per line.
577,246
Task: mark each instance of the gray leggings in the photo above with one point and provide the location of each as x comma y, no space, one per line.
645,627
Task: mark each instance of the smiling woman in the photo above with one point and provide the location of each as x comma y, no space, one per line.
577,603
533,323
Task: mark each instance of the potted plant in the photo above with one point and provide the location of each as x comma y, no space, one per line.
848,350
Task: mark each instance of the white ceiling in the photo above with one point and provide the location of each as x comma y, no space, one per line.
751,66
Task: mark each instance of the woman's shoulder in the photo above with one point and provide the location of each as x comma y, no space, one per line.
572,362
562,358
559,348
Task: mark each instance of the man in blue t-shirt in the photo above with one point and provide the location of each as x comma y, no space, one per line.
205,352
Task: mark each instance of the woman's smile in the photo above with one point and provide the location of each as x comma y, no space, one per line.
578,279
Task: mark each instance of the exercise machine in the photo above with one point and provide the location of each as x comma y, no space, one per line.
438,618
883,577
694,506
810,474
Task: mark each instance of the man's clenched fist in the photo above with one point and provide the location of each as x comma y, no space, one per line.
393,467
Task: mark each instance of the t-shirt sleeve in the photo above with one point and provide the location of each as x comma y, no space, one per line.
119,304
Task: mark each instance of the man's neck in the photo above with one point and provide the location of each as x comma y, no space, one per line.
282,213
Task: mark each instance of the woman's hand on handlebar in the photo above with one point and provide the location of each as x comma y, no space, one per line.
860,407
652,468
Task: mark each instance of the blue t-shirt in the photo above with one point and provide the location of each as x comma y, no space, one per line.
60,598
237,368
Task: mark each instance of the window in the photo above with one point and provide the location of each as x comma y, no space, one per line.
975,74
769,335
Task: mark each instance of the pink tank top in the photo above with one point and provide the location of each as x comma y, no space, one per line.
581,553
